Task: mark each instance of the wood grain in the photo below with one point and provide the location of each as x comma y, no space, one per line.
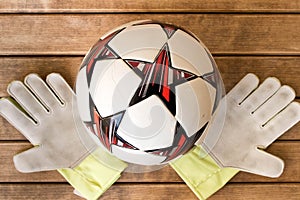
288,151
259,191
73,34
37,191
286,69
145,191
224,6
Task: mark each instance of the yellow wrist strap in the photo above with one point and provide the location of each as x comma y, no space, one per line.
91,178
202,174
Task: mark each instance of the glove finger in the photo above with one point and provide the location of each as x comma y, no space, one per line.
34,160
42,91
267,89
27,100
262,163
283,97
244,88
19,120
60,87
281,123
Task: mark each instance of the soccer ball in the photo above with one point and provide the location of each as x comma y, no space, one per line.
147,90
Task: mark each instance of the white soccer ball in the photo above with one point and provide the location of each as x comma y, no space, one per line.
148,90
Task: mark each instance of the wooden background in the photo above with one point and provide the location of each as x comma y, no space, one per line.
259,36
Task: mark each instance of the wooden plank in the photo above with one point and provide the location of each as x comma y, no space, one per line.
148,191
288,151
223,34
37,191
286,69
20,6
259,191
153,191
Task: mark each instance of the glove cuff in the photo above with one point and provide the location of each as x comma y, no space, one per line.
202,174
91,178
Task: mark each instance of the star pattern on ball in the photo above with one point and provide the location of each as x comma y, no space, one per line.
159,78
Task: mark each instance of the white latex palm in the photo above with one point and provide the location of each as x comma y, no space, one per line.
255,118
49,123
